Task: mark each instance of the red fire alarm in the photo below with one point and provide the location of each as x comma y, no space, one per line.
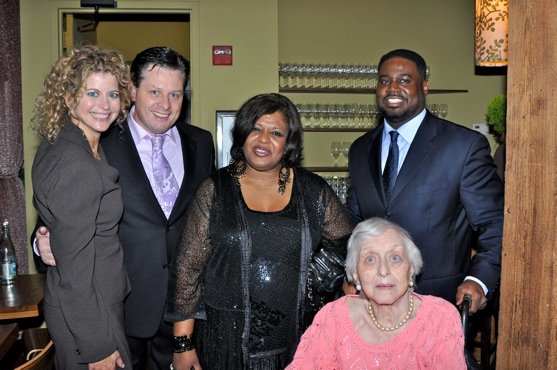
222,55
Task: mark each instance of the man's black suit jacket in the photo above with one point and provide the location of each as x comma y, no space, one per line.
147,237
447,196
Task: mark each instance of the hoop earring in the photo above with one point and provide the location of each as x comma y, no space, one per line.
284,176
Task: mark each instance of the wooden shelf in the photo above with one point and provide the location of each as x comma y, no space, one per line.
317,90
327,169
337,129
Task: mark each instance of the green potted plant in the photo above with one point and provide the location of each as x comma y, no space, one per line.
497,117
497,120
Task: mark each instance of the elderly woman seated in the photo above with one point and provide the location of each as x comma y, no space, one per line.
386,325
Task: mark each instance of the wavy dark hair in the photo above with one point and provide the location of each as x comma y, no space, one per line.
158,56
262,104
406,54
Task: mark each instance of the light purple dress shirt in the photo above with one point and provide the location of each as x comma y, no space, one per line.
172,149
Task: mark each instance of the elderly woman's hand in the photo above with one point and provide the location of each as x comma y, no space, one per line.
475,291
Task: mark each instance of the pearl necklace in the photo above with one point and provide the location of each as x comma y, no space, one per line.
391,328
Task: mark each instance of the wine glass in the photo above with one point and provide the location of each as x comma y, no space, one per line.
373,112
327,118
344,75
327,75
318,75
443,110
346,114
371,72
353,115
333,75
310,114
312,75
434,108
344,149
362,114
294,74
304,76
303,111
320,111
338,114
283,78
360,77
335,151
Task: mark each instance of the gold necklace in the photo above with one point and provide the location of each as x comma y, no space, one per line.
96,154
391,328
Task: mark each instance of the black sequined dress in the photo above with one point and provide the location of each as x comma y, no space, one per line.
242,274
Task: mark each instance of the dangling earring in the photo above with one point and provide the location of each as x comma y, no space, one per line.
237,168
284,176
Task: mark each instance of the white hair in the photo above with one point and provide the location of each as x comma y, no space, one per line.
373,228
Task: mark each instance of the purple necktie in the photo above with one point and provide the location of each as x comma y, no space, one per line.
166,185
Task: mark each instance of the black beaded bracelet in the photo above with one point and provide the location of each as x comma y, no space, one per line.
183,344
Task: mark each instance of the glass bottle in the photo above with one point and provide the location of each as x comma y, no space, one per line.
8,264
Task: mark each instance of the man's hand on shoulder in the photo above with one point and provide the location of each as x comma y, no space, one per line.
42,239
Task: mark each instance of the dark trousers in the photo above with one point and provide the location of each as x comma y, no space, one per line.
154,353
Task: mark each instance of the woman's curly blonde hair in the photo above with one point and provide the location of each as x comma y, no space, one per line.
67,79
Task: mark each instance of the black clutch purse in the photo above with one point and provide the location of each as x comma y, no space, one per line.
325,276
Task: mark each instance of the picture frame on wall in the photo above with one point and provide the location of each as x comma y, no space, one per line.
225,120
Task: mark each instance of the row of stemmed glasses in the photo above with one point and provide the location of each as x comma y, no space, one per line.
339,148
327,75
340,185
439,110
338,115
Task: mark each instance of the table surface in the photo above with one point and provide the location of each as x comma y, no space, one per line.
22,299
8,336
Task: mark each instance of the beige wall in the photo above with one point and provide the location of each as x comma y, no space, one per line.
145,35
262,32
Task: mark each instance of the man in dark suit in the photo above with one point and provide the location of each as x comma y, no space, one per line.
446,190
147,234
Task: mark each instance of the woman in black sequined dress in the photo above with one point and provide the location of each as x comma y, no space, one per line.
239,280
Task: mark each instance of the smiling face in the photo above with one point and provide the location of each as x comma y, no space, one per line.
264,146
400,91
383,269
158,99
99,105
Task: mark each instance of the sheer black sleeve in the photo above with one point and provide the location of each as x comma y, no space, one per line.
190,258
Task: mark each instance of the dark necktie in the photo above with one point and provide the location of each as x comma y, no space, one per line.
166,185
391,167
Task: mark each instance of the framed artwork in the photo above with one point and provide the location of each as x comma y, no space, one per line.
225,120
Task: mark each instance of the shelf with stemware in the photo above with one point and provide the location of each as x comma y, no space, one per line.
345,90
